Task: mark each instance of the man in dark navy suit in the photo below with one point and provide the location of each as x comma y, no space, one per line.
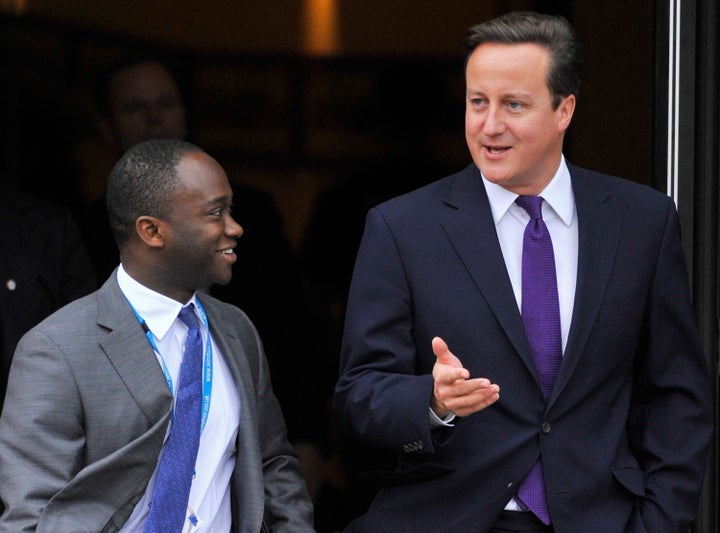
43,266
439,359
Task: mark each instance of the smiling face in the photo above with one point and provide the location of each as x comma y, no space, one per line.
514,135
200,233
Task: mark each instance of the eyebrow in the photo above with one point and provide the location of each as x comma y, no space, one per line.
505,96
220,200
525,96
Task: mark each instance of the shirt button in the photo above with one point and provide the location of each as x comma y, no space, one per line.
546,427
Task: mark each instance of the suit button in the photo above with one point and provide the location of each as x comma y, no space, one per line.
546,427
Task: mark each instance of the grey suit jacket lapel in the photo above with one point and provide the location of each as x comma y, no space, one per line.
130,353
470,227
85,502
230,346
226,339
248,474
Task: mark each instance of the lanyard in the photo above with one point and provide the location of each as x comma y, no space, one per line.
207,360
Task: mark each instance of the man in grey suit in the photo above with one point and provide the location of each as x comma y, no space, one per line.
89,401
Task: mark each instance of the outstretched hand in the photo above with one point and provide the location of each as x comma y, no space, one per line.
453,390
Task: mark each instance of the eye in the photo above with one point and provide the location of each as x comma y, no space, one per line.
168,103
220,211
131,107
515,106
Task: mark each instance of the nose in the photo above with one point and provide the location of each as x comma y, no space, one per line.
493,123
232,228
153,113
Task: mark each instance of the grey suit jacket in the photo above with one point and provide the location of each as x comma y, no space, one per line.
87,409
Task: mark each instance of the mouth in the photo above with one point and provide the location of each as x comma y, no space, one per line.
228,252
495,150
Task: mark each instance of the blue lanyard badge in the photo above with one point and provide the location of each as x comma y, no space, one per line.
207,360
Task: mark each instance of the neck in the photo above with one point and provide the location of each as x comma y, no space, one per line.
158,283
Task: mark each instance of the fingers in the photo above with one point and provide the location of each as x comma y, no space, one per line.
446,374
453,391
466,397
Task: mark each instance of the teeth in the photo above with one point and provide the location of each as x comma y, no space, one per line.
495,150
228,252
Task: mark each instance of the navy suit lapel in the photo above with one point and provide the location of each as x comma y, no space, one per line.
598,234
471,229
130,353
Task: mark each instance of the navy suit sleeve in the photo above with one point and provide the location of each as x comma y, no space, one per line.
379,397
670,423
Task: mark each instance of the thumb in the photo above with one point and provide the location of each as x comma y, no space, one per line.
443,353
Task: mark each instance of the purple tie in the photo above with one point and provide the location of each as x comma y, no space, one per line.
177,462
541,318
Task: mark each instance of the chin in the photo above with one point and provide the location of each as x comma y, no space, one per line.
222,280
499,179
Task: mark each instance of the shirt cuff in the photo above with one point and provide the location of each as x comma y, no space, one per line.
436,421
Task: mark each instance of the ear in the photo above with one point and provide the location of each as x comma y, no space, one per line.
151,231
565,112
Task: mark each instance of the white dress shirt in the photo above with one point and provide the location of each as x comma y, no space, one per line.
209,503
560,218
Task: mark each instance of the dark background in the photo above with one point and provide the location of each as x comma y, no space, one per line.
292,116
361,97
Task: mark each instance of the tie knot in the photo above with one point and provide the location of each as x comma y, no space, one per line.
531,204
188,317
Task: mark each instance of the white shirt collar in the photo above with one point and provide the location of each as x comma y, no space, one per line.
158,311
558,194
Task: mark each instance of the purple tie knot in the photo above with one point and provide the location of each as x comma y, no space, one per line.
531,204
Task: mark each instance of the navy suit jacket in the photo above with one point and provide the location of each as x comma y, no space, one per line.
43,266
625,435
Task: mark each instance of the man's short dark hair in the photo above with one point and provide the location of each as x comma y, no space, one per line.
551,32
142,183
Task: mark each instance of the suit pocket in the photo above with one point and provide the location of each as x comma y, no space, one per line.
631,478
